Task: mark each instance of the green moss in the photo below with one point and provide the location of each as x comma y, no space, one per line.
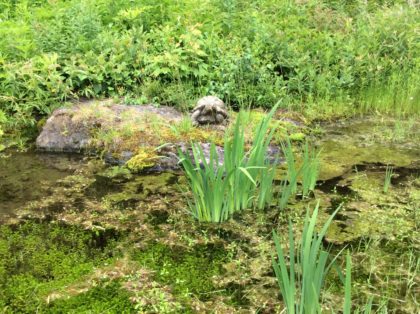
39,258
145,158
298,137
187,271
138,189
109,298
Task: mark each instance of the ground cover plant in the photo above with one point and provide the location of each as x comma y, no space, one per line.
40,259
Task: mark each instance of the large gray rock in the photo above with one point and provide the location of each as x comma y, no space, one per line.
67,130
209,110
61,134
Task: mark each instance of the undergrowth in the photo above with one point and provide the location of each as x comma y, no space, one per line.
321,57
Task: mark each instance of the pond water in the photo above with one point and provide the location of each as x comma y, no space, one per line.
25,177
139,227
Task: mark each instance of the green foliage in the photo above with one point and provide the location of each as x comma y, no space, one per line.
292,172
221,189
301,283
360,54
307,173
189,272
310,169
37,259
207,183
388,176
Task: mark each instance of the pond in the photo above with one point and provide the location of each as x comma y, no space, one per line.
28,176
79,235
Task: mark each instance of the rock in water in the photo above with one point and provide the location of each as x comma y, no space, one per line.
61,134
209,110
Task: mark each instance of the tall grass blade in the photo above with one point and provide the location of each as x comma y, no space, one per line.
291,164
310,170
219,190
347,287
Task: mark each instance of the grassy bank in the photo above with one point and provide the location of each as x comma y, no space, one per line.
319,57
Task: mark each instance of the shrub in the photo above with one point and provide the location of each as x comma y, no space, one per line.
360,56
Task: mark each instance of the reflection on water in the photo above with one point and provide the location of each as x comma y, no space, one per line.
27,176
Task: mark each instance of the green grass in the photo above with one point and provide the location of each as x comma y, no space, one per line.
389,171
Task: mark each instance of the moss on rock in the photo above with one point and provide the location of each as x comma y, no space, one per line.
145,158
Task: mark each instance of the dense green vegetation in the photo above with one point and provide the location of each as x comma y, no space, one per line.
317,56
39,259
60,252
191,270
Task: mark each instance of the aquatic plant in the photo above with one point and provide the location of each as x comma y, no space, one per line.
308,172
310,169
291,164
367,309
208,184
219,189
286,190
247,180
389,171
264,193
301,283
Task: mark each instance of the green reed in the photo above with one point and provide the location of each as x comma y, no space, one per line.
310,169
301,282
389,172
221,189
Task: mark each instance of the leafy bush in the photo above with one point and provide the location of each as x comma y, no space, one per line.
362,55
